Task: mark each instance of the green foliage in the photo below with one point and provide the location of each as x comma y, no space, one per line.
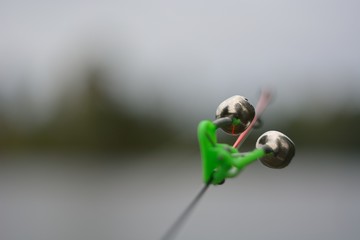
90,121
337,131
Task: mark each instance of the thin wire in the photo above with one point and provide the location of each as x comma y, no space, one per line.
222,121
263,102
174,229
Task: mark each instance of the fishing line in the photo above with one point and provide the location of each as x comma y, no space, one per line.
263,102
174,229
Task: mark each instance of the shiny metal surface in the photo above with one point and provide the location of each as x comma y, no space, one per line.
236,107
282,146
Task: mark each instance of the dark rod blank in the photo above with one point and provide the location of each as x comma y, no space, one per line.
173,230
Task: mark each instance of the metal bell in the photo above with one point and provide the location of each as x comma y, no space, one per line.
282,147
236,107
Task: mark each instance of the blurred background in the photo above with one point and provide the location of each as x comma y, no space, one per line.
100,101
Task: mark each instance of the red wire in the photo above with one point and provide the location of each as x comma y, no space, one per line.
261,105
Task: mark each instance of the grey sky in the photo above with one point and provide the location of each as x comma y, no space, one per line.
189,53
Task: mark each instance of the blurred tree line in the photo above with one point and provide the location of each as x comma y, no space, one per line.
94,122
88,121
337,131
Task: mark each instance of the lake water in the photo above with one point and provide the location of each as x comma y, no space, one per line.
316,197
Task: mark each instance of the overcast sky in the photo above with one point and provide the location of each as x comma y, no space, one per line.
191,53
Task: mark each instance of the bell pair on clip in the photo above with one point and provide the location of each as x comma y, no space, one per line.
222,161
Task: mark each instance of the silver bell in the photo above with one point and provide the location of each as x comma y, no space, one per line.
236,107
282,147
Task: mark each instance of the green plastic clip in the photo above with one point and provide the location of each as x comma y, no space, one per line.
221,161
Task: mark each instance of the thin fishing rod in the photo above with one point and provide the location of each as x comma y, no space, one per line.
174,229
